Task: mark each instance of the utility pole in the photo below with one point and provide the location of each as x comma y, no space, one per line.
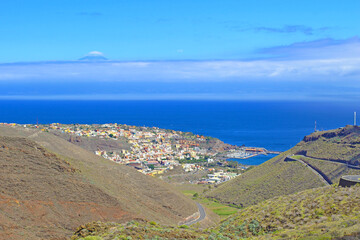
354,118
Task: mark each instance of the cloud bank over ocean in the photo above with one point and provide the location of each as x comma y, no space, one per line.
280,70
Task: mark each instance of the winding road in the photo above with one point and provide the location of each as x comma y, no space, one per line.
315,171
200,218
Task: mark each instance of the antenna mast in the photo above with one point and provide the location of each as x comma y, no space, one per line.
354,118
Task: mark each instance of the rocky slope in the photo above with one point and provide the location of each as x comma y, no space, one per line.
119,191
42,196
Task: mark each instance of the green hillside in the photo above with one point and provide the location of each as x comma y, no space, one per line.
278,177
334,170
321,213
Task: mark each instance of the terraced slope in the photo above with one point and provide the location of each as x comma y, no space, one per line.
278,177
139,195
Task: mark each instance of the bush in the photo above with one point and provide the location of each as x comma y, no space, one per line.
184,226
91,238
254,227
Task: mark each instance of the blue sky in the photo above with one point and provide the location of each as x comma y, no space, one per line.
228,49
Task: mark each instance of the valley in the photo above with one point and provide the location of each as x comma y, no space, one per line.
49,178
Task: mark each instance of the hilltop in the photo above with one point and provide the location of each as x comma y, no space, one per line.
46,177
321,213
332,153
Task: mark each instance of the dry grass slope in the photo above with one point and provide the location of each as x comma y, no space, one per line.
333,170
273,178
277,177
43,197
321,213
140,195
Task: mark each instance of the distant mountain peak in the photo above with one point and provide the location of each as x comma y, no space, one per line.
94,56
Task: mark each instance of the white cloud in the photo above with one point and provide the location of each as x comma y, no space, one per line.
95,53
338,60
327,48
285,70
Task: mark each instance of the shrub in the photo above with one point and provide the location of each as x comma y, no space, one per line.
91,238
184,226
254,227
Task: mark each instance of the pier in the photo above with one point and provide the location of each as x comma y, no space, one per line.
249,152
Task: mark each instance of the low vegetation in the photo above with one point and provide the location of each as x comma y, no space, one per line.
134,230
341,144
196,192
322,213
333,170
192,160
278,176
273,178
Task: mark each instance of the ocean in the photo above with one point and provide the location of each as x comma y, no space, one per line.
270,124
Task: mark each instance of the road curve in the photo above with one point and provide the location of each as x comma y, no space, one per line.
312,169
200,218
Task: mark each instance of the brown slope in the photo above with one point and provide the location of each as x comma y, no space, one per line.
43,197
93,143
139,194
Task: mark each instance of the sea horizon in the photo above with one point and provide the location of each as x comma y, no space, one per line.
273,125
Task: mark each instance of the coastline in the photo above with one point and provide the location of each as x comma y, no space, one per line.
253,161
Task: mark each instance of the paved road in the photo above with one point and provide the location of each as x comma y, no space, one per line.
312,169
336,161
200,218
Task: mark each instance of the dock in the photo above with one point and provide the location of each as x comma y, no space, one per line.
249,152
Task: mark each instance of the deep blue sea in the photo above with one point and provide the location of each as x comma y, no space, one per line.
273,125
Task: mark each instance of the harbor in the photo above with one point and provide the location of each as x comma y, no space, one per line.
250,152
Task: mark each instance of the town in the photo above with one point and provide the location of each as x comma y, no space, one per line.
154,151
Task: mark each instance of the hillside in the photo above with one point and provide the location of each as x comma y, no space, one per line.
321,213
42,196
94,144
281,177
134,194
